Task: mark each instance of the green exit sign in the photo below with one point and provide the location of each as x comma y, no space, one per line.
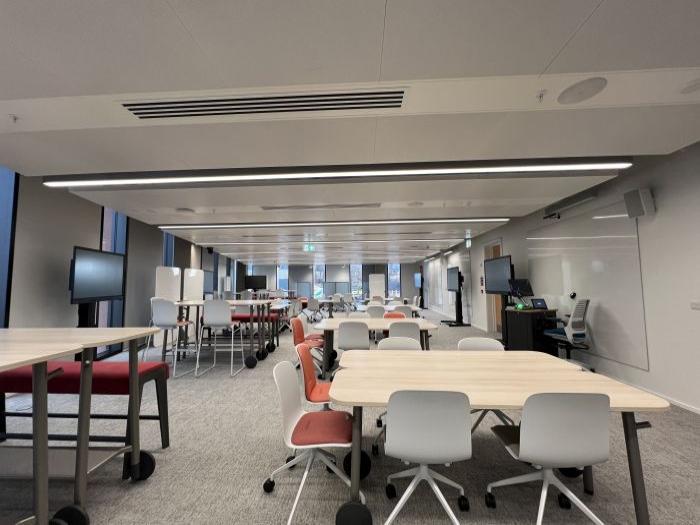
309,247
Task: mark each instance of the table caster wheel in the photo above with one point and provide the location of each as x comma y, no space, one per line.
571,472
261,355
270,347
365,464
390,491
564,501
71,515
490,500
251,361
375,450
269,485
353,513
290,458
463,503
147,464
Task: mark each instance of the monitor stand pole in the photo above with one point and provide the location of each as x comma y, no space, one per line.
459,320
87,318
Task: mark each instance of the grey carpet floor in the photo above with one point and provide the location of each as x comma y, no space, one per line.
226,439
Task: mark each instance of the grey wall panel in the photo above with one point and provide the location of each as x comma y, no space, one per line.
144,254
49,223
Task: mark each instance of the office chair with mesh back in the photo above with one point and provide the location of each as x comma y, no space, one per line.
572,336
558,430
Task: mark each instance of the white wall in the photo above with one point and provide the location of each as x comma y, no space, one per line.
408,288
49,223
669,245
437,298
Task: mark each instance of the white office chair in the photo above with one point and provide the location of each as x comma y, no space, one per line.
375,311
405,309
414,301
395,302
164,316
405,328
353,335
313,310
572,336
358,315
557,431
428,428
484,343
349,302
399,343
216,314
301,432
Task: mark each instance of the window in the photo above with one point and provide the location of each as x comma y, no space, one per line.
168,249
319,279
249,269
283,277
8,195
394,278
356,280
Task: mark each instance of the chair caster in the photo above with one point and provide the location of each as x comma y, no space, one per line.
270,347
290,458
571,472
71,515
564,501
380,423
261,355
375,450
269,485
251,361
147,464
490,500
390,491
463,503
365,464
353,513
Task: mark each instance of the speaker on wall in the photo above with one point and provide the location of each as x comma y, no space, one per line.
639,202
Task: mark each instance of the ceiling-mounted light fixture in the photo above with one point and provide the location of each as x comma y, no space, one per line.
380,222
324,173
347,241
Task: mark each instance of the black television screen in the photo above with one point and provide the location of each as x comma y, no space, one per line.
453,279
255,282
497,275
521,288
96,276
208,281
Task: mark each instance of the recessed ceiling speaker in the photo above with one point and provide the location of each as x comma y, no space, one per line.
583,90
639,202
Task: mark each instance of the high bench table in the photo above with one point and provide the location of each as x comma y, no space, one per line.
492,380
83,341
329,326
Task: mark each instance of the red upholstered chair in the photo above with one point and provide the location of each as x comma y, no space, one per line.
313,340
393,315
315,392
308,432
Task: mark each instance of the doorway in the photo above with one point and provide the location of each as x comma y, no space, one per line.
493,302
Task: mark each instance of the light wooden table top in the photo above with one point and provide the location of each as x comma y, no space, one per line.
372,323
17,354
494,380
86,337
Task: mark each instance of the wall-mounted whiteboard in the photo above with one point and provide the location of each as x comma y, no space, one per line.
377,285
596,255
192,284
168,282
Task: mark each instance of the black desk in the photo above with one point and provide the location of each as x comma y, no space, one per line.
526,330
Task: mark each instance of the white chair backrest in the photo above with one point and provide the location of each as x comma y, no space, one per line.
228,295
577,321
358,315
353,335
287,382
216,313
312,304
414,302
565,430
163,312
246,295
378,298
479,343
405,328
395,302
347,298
405,309
375,303
375,311
428,427
337,297
399,343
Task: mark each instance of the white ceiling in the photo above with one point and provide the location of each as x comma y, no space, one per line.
472,70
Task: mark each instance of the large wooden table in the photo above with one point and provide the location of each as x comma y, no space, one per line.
331,325
389,307
36,346
492,380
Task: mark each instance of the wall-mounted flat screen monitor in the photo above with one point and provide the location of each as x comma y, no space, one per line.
521,288
453,279
208,282
96,276
256,282
497,275
417,279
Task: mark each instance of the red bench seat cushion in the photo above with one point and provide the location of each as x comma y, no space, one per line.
107,378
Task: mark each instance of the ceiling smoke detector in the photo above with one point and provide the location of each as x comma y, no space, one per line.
583,90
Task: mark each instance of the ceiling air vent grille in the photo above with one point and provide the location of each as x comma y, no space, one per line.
155,109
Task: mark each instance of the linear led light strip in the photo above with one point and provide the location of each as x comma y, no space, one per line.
348,241
585,238
326,223
409,172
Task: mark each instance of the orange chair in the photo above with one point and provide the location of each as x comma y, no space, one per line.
314,340
315,392
393,315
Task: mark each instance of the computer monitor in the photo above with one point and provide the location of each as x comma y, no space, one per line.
255,282
453,279
96,276
497,274
520,288
539,304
